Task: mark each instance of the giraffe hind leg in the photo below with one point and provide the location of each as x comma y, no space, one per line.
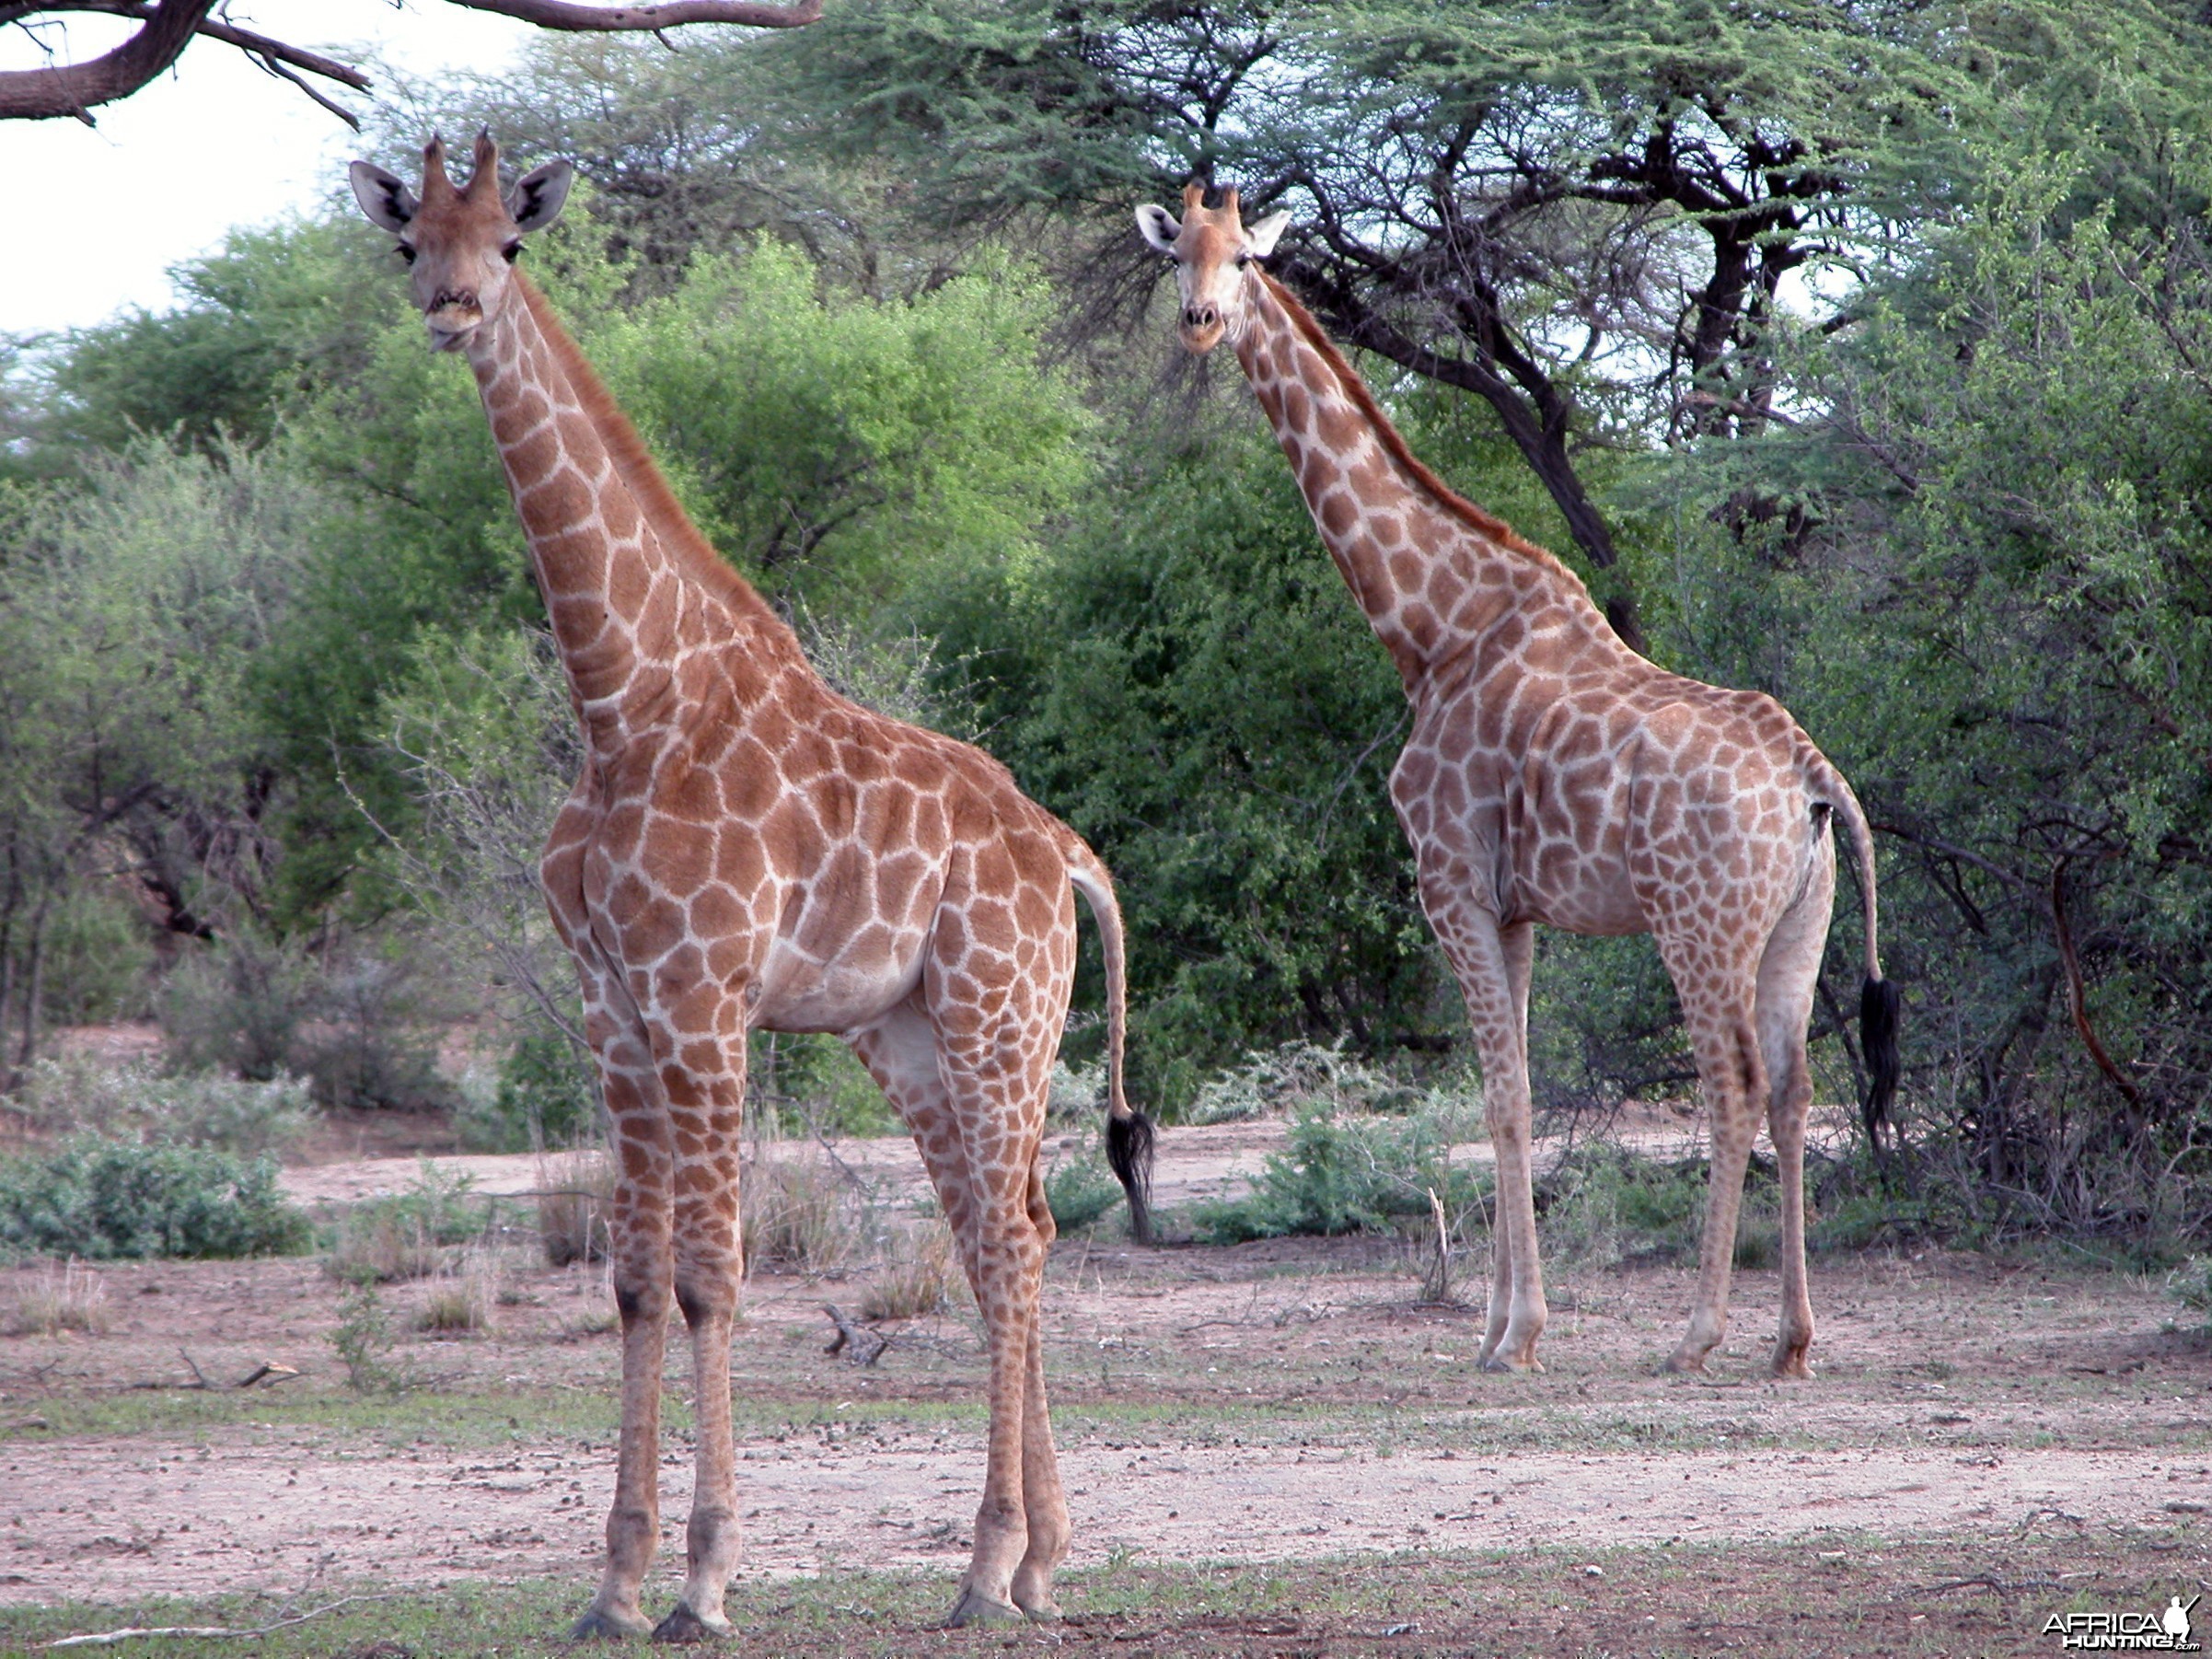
901,1053
1732,1074
1788,975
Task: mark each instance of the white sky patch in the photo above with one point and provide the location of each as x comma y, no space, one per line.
97,215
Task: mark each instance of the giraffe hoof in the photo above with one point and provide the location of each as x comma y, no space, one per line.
1044,1612
1505,1365
1683,1363
1792,1368
685,1626
608,1624
976,1608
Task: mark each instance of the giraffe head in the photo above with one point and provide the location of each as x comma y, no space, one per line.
460,242
1211,247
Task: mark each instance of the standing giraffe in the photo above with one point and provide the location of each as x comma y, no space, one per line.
747,850
1556,776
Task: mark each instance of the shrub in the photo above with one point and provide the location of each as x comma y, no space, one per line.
98,962
460,1300
1342,1173
361,1026
1278,1080
399,1236
364,1341
103,1199
2191,1285
230,1114
1602,1203
543,1096
1080,1188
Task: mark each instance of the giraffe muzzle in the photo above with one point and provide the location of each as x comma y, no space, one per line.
1202,328
451,319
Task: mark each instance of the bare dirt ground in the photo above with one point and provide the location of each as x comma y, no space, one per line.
1271,1403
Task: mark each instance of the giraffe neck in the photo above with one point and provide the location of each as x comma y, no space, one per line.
1432,572
623,571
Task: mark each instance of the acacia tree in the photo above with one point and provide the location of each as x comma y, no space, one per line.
1586,216
166,28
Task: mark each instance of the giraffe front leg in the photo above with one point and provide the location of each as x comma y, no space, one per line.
703,1077
641,1274
1493,963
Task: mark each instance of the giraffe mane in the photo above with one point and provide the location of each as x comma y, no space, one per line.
1393,444
634,462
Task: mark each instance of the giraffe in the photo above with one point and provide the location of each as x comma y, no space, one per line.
1555,776
747,850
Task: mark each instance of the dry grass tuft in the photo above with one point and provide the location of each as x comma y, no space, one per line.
72,1299
802,1213
922,1277
461,1301
577,1196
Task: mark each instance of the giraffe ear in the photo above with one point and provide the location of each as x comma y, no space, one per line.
1261,238
1158,227
388,203
536,198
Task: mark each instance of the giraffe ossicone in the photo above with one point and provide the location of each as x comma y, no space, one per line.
747,850
1555,776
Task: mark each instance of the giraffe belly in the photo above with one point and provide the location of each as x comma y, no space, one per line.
802,992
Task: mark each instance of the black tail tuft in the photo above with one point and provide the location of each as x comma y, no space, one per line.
1129,1155
1879,1006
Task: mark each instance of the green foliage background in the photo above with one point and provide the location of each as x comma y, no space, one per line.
1857,355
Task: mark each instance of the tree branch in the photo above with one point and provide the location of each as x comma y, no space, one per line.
666,14
75,88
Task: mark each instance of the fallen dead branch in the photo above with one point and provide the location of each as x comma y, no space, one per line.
211,1631
860,1345
268,1371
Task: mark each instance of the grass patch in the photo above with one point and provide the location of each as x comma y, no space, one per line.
70,1299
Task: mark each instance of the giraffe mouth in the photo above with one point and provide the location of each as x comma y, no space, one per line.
450,325
1201,339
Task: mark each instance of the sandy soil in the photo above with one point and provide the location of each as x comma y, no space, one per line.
1271,1402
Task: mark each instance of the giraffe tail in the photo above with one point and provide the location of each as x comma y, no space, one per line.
1128,1131
1880,1005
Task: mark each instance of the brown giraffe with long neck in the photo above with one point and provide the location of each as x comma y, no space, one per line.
1555,776
747,850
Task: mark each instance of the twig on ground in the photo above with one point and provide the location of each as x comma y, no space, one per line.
110,1638
1996,1585
861,1346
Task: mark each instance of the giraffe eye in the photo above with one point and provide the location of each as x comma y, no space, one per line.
405,253
511,252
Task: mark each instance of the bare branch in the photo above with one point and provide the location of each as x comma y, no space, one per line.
667,14
75,88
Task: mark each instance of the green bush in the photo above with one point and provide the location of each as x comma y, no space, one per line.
1602,1203
250,1119
1080,1188
399,1236
98,964
543,1099
1342,1173
101,1198
2191,1285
